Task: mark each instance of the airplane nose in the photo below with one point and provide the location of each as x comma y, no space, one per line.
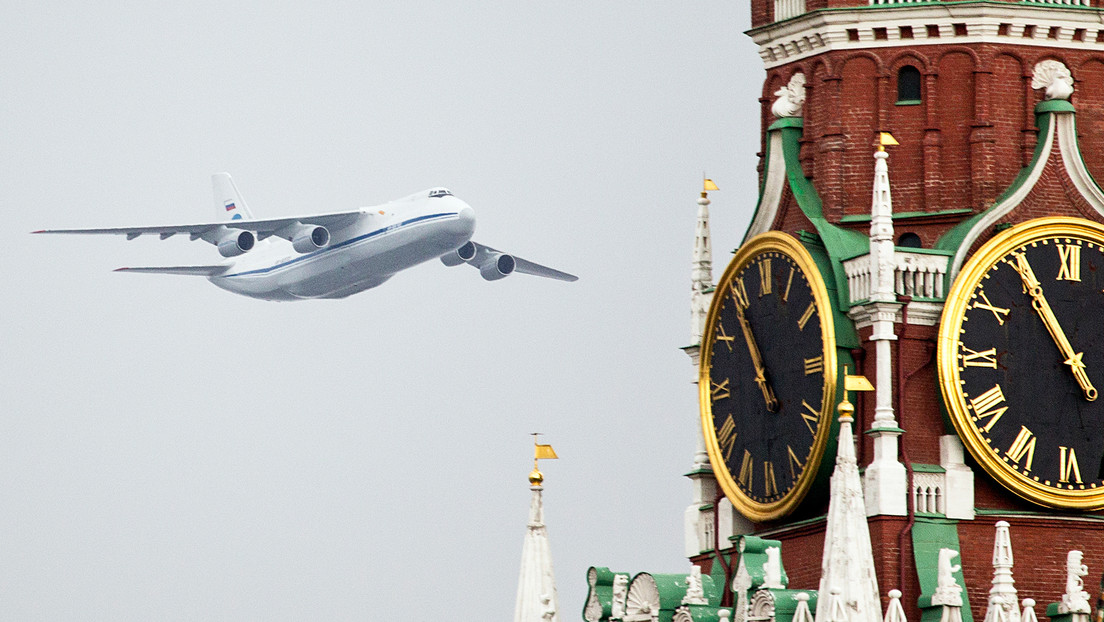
465,220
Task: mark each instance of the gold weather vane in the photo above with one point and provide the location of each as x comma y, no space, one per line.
540,452
885,139
707,185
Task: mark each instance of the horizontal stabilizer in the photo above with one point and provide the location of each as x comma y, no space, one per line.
187,270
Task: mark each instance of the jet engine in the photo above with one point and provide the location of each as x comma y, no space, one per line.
459,256
497,267
307,238
235,242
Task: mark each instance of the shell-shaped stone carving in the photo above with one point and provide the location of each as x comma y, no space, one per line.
762,606
682,614
791,98
1053,76
643,602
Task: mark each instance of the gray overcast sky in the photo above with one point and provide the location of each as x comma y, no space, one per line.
170,451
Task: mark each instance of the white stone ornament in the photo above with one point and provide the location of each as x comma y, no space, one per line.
620,593
895,612
548,612
1076,599
1055,77
947,590
1002,596
772,570
791,98
695,594
802,613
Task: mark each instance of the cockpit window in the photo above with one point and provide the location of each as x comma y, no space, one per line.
439,192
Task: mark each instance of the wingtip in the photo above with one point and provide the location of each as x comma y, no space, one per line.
39,231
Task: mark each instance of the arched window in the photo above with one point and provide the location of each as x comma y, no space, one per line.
908,85
909,240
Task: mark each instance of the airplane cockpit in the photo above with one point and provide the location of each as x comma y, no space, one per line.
439,192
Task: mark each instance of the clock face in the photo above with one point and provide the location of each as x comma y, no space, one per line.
1021,360
767,377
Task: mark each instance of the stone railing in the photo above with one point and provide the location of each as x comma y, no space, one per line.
920,275
785,9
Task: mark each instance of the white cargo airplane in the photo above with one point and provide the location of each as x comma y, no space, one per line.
332,255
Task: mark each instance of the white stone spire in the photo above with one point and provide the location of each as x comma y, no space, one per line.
701,270
847,571
1002,596
536,596
886,479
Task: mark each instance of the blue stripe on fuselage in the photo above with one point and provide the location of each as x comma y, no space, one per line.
359,238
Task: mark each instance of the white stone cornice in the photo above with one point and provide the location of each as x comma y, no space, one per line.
827,30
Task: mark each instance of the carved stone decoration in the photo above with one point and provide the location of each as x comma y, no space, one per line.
1002,596
801,612
1055,77
894,612
548,611
1029,611
1076,599
772,570
620,593
682,614
593,610
947,591
695,594
642,602
741,583
791,98
762,606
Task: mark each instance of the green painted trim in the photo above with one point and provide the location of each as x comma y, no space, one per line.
1054,105
701,471
908,102
1034,513
876,431
951,240
787,122
927,468
705,508
929,534
908,215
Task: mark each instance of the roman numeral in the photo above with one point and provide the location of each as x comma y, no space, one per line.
796,465
814,365
746,468
985,404
1023,445
726,436
720,390
805,316
739,293
789,281
985,358
1067,465
764,277
812,418
769,484
1069,255
998,312
722,336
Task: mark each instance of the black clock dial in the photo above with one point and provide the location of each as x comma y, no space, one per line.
765,365
1027,361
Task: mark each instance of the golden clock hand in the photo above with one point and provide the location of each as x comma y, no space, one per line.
1042,307
757,362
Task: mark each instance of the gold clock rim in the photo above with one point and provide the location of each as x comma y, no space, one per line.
784,243
950,325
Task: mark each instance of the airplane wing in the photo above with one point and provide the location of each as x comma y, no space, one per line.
263,227
186,270
524,266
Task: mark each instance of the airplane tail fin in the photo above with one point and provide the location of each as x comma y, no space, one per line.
229,204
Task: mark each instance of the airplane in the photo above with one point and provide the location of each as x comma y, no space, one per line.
331,255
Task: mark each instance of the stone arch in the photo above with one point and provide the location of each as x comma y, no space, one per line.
911,57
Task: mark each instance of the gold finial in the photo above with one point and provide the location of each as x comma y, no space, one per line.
540,452
886,139
707,185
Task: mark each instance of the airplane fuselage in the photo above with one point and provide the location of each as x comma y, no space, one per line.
371,248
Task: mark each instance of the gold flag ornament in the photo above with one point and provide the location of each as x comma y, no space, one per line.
708,185
544,452
857,383
886,139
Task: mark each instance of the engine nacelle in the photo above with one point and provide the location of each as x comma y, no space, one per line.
460,255
307,238
235,242
497,267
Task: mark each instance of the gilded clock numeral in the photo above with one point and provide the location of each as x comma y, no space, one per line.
1024,445
984,358
806,316
814,365
810,418
1067,465
985,406
723,336
1069,257
720,390
769,484
796,465
739,293
726,436
789,281
764,277
746,468
998,312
